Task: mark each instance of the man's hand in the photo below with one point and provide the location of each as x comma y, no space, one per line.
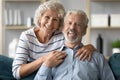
85,52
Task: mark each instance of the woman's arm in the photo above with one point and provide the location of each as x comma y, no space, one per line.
29,68
20,67
51,59
85,52
54,58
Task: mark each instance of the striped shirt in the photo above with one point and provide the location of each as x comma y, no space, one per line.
30,49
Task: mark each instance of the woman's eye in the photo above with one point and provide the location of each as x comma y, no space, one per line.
69,23
47,17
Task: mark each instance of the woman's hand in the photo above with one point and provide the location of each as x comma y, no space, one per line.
85,52
54,58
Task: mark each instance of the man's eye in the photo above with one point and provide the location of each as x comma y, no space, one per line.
78,24
55,19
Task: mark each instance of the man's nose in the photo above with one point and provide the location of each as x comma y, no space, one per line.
72,26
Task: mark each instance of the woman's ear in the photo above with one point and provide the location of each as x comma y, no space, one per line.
39,23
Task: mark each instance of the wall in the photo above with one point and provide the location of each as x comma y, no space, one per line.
1,28
73,4
27,10
108,35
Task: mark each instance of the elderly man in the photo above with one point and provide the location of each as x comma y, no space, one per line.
75,25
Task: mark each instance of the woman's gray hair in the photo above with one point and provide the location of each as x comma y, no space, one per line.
78,12
51,4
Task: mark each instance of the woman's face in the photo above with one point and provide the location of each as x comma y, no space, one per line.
49,22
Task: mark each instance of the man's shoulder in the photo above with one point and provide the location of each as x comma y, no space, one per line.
96,53
97,56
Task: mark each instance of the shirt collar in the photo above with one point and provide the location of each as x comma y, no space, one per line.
76,48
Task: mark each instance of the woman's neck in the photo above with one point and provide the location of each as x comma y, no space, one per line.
41,36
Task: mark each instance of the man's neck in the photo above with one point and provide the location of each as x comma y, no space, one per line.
72,45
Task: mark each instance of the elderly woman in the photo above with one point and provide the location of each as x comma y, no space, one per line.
43,40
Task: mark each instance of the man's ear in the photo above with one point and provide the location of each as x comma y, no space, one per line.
84,31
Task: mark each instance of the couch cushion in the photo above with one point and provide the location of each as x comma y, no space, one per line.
114,63
6,68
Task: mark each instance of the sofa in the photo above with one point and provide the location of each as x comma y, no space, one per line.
6,69
114,62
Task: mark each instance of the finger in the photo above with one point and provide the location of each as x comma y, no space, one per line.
56,51
84,53
57,54
81,56
84,57
79,52
90,56
59,62
62,56
60,51
53,52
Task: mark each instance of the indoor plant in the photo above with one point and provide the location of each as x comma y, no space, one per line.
116,46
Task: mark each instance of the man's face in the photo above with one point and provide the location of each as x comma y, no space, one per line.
74,28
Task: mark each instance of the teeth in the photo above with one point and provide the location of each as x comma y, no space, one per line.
71,32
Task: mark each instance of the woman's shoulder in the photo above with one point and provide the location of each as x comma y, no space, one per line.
31,30
28,33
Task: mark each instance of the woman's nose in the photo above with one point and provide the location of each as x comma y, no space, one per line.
50,22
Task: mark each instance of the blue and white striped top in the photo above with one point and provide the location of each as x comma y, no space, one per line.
29,48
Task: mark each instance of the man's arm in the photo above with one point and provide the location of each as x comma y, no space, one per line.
105,70
44,73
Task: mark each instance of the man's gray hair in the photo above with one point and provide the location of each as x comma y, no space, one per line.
77,12
51,4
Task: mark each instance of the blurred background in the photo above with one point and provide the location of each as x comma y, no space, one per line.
16,16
